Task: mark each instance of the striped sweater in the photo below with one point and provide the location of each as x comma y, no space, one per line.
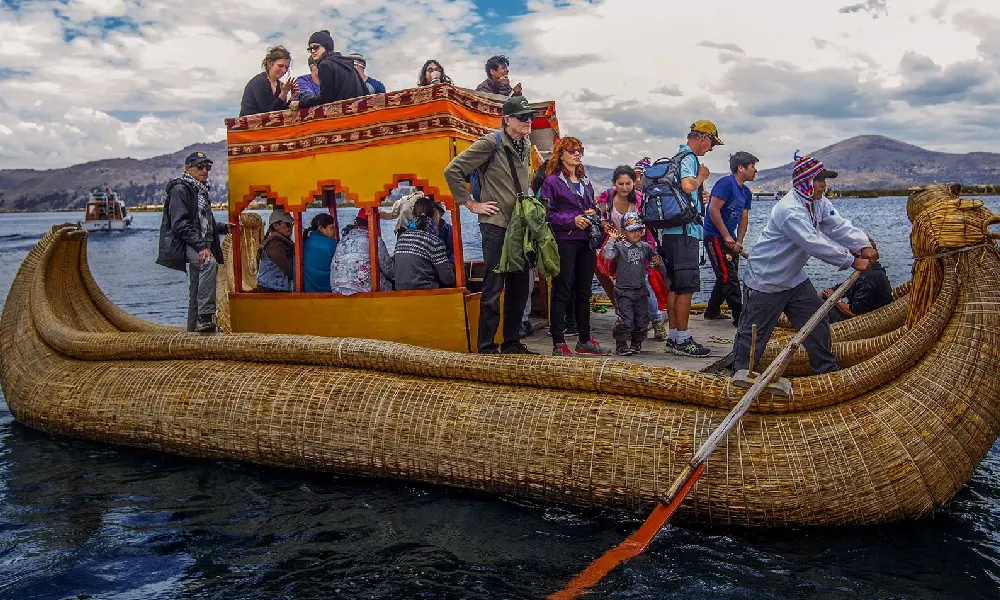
421,261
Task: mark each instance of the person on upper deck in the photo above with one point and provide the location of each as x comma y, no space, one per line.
802,224
338,80
360,64
498,78
351,269
308,83
431,73
501,188
569,196
318,247
265,92
421,259
276,259
189,238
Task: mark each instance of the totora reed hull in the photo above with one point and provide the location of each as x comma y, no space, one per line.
893,435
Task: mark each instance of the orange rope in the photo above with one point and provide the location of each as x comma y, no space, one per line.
631,547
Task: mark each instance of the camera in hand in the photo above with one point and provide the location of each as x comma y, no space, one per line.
595,232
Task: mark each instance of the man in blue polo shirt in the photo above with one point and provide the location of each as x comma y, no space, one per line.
725,227
680,245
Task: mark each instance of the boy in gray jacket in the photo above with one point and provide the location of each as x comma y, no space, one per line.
632,258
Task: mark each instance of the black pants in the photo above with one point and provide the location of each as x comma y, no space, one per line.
514,286
632,307
726,265
572,286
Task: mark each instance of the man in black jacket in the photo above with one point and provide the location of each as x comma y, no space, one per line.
189,238
337,78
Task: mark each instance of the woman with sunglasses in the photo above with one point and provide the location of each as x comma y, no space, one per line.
265,92
432,72
570,199
338,79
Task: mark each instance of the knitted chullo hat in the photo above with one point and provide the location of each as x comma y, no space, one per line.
803,173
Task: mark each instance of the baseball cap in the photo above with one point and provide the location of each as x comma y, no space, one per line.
631,221
708,128
440,207
826,174
196,158
516,106
278,215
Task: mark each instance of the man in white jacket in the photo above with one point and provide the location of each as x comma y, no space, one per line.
802,224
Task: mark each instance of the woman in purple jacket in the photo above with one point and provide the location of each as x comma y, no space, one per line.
570,200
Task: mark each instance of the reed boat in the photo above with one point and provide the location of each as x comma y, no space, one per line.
893,435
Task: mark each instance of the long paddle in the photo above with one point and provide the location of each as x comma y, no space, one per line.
667,506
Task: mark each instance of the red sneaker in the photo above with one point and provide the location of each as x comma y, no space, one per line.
561,350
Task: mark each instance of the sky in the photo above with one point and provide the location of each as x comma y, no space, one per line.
82,80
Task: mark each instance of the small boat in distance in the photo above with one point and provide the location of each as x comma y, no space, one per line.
105,211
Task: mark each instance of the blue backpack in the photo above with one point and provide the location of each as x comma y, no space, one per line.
475,178
664,203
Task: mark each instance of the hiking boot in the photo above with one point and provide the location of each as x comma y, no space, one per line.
622,349
689,347
561,350
636,347
659,330
206,325
515,348
714,316
591,347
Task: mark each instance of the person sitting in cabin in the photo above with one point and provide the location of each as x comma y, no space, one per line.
431,73
444,230
337,78
189,238
632,255
350,271
265,92
276,259
360,64
309,83
421,259
401,210
802,224
498,78
318,248
873,290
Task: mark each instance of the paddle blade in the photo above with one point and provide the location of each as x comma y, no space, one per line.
631,547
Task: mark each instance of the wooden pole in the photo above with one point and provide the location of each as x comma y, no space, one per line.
237,253
638,541
374,231
299,251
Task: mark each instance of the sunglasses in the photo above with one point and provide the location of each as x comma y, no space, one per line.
524,118
313,47
578,150
433,69
203,167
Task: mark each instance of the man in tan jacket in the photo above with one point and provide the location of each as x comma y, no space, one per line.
499,194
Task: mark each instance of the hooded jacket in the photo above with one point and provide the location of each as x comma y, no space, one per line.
337,81
180,227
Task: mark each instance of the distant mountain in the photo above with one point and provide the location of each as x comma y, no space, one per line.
138,181
864,162
879,162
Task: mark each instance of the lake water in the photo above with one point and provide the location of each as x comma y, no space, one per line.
83,520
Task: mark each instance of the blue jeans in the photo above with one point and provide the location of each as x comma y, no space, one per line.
654,308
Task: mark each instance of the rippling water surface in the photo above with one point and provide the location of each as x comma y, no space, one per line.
84,520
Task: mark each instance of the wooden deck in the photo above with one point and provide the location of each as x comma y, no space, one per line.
716,335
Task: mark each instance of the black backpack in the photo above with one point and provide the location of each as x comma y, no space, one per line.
664,203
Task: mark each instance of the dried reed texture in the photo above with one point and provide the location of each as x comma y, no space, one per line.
890,438
251,236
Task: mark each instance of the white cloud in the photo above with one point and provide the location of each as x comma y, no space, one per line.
105,78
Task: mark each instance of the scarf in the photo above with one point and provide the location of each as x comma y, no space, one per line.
204,203
431,228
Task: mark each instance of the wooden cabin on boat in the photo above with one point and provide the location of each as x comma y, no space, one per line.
362,149
105,211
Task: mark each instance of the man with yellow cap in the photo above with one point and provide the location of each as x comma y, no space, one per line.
680,246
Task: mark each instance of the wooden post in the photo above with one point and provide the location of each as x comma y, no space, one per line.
456,240
331,205
237,247
299,267
374,232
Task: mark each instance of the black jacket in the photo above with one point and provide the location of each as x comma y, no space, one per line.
181,228
338,80
259,98
873,290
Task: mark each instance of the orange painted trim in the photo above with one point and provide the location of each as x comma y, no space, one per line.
429,190
444,133
250,196
337,187
435,108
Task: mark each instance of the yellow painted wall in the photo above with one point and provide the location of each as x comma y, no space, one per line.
431,321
